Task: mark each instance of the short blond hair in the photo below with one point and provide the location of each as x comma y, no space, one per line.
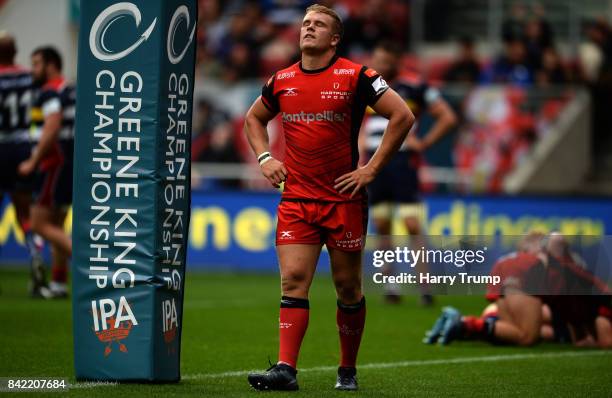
532,240
338,25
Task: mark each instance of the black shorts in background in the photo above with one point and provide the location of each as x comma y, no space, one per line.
398,181
11,155
53,186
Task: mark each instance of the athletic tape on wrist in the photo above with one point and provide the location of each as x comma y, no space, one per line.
262,156
264,160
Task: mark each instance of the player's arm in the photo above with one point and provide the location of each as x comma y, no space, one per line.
50,132
255,123
445,119
401,119
391,106
361,145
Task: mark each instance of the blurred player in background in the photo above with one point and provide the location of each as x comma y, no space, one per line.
543,295
51,160
16,91
398,182
585,302
517,318
322,101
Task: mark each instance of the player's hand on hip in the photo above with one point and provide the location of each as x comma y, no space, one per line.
274,171
355,180
27,167
414,143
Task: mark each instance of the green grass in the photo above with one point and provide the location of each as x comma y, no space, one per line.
230,324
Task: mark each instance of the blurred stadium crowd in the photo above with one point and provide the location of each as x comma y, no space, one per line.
241,43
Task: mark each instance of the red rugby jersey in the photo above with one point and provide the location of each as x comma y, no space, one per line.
321,112
519,270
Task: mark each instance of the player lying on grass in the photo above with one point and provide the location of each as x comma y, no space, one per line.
321,100
584,304
543,294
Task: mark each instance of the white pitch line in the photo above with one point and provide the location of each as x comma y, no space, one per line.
425,362
382,365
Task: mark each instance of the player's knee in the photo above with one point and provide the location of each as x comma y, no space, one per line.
348,293
528,339
38,225
605,343
383,226
294,281
349,296
604,332
412,226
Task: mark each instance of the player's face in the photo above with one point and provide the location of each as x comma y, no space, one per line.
38,69
384,63
317,33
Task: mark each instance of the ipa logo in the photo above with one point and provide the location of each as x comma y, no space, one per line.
112,323
170,320
180,15
102,24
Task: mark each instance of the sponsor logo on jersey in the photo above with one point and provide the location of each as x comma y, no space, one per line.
379,84
285,75
370,72
287,235
349,243
344,72
102,24
180,15
289,92
347,331
304,117
335,94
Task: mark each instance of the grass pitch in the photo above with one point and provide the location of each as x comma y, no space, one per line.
230,326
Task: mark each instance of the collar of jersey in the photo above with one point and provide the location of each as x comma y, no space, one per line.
311,71
55,84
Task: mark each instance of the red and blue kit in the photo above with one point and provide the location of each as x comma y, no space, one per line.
53,186
16,90
321,112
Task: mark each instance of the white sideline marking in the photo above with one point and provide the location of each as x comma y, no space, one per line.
424,362
383,365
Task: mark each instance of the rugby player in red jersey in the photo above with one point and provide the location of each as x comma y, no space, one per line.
518,319
322,100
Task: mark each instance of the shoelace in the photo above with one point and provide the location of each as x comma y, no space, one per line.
272,366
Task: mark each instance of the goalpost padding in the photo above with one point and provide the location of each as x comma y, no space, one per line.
132,187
